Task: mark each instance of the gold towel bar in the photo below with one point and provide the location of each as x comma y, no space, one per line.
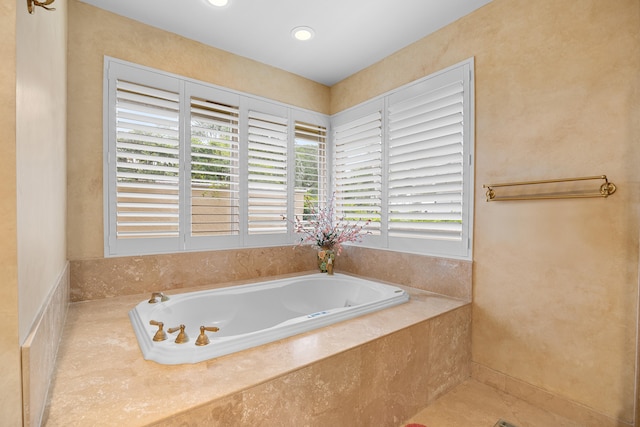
606,189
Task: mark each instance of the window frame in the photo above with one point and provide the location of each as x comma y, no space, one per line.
187,88
462,248
116,69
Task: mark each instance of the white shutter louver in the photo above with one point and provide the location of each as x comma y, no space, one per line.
215,197
311,168
426,165
358,170
147,161
267,173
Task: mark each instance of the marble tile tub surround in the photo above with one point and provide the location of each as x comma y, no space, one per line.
381,369
110,277
445,276
39,351
118,276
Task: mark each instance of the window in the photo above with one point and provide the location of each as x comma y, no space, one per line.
176,151
146,162
191,166
358,167
404,161
267,178
310,169
215,168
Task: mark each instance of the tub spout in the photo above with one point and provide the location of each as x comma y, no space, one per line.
160,295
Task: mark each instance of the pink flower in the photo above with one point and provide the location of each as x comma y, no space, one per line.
326,232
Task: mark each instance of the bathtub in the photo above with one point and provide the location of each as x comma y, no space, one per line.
251,315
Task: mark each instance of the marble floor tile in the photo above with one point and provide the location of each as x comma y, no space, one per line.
473,404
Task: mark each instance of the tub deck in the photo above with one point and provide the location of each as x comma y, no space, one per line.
101,378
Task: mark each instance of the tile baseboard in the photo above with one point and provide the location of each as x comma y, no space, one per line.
543,399
39,351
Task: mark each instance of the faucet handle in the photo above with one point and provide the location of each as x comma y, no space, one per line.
182,335
203,339
160,334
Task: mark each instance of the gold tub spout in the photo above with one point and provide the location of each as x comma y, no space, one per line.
160,334
160,295
182,335
203,339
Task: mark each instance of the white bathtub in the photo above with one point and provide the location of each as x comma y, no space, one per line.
255,314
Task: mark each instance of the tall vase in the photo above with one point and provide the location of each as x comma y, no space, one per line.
324,255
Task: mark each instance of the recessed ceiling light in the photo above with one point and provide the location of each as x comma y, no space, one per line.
302,33
219,3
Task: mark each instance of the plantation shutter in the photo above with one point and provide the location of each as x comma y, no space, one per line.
189,166
267,173
425,181
358,169
147,161
311,168
215,176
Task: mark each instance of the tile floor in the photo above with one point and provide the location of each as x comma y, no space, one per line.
473,404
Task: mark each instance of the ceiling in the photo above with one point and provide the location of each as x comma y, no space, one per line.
350,35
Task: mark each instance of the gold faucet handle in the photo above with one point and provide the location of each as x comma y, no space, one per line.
160,334
203,339
182,335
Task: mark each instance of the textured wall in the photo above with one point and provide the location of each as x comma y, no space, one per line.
41,185
41,140
555,282
11,413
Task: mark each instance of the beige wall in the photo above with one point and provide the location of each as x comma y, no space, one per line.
94,33
11,412
555,282
40,156
33,184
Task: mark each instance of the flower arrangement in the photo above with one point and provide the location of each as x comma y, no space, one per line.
327,232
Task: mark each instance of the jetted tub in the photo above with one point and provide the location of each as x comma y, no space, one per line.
255,314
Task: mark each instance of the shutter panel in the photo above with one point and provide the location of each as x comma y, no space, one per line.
215,198
267,173
311,168
147,161
358,170
426,165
